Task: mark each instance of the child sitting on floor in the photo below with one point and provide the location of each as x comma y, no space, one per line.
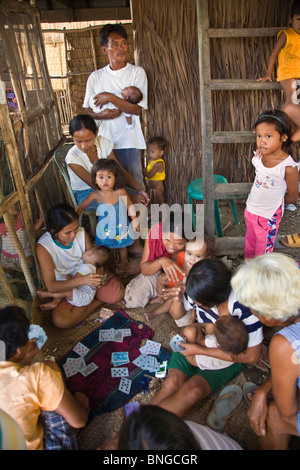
228,333
155,172
194,251
34,395
94,260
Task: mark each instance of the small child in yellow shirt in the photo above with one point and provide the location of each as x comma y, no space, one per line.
287,50
155,172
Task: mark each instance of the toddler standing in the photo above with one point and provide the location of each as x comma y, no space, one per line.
276,182
287,49
113,228
155,172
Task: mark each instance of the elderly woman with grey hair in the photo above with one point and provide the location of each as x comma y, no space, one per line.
270,286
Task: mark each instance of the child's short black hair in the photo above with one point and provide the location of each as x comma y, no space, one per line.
295,9
159,141
111,28
231,334
137,97
14,328
208,282
107,164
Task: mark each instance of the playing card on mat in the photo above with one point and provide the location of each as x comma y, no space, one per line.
81,349
118,336
126,332
77,362
107,335
89,369
151,347
174,343
119,372
119,358
125,385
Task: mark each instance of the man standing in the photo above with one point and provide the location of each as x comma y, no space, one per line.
104,83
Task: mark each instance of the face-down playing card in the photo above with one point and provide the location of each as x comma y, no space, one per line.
174,343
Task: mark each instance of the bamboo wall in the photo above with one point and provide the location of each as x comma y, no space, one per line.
165,35
29,134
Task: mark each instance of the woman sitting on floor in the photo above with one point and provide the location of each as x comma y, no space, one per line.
270,286
59,252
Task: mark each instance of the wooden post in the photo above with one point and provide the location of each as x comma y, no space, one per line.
93,50
206,117
12,152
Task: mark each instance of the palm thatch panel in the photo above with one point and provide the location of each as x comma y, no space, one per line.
166,41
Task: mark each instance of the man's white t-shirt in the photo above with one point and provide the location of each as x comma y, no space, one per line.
113,81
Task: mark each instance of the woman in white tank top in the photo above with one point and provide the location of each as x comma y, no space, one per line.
59,252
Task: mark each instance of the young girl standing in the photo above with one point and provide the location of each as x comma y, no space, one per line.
113,228
287,49
275,184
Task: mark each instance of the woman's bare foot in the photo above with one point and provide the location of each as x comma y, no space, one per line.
43,294
120,304
50,305
149,316
157,300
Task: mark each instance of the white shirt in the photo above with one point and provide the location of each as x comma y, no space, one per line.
65,260
114,81
251,322
269,187
76,156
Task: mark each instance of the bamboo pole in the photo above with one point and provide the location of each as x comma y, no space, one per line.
36,82
93,50
206,118
17,89
12,152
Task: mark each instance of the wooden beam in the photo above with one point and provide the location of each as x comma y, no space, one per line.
233,137
235,246
85,14
243,84
243,32
64,3
206,116
232,190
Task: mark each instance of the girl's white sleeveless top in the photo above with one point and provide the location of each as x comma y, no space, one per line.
65,260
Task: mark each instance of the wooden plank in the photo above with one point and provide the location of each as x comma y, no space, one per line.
232,190
206,115
235,246
85,14
232,137
243,84
243,32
